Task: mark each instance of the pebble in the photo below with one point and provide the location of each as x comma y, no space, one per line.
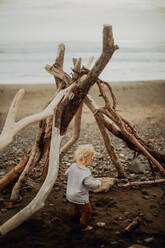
146,197
3,210
142,179
101,224
57,189
127,213
149,240
125,180
114,243
136,166
2,173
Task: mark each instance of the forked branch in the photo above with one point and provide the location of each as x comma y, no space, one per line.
12,127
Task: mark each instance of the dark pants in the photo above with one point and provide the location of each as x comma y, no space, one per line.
82,213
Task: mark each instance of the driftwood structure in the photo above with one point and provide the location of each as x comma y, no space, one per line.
71,95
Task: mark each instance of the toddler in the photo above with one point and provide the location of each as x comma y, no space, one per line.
79,183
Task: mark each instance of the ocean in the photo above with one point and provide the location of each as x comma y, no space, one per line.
30,32
23,63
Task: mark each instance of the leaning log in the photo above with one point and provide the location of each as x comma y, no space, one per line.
13,174
39,201
110,149
78,92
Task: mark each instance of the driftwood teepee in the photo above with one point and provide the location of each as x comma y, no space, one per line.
72,93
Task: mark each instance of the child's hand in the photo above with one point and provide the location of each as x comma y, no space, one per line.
106,184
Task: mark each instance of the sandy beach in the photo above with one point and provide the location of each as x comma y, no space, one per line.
143,104
136,100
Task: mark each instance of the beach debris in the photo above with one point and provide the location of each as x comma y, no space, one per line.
149,240
133,224
13,174
101,224
137,183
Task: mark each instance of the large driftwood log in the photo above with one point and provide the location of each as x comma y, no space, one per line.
76,132
77,117
78,92
39,201
11,128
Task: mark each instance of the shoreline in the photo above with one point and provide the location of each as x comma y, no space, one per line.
111,82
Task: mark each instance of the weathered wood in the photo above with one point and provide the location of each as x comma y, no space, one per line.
110,149
38,149
67,104
77,67
11,127
78,92
114,129
16,189
45,169
39,201
59,65
127,134
133,224
13,174
78,115
76,132
149,182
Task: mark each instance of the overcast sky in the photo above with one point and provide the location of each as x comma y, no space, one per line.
62,20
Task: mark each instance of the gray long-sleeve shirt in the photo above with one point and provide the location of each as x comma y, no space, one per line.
78,184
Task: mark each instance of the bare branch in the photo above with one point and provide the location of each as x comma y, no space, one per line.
90,62
11,127
93,107
111,92
78,92
59,63
127,134
150,182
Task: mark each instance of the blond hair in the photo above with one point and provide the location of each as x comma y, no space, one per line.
84,154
